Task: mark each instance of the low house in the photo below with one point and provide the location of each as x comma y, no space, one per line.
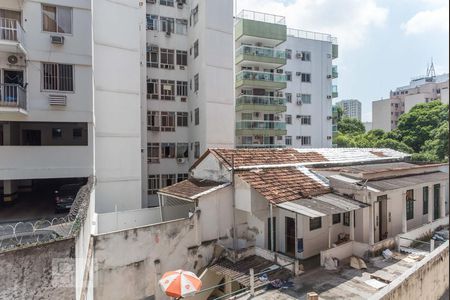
300,202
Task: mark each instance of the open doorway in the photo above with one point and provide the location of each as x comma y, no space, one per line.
290,236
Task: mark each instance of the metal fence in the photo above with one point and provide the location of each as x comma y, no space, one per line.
45,230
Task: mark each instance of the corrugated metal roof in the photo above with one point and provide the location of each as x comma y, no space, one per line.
407,181
323,205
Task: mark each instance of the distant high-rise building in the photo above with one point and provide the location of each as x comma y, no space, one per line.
351,108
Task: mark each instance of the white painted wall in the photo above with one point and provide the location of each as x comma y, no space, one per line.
381,111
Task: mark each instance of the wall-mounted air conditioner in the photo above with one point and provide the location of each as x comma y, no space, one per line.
58,100
299,55
329,117
57,39
181,160
328,97
182,68
299,102
298,73
328,76
298,116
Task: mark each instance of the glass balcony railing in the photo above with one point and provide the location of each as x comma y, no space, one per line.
260,100
261,76
334,91
334,72
262,17
261,52
276,125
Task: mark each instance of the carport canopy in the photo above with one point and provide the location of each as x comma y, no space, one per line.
323,205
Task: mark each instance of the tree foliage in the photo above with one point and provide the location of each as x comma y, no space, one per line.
350,126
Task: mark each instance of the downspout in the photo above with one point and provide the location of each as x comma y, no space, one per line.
234,204
271,228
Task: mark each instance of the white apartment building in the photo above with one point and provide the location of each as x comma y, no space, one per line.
386,112
58,118
351,108
283,84
189,78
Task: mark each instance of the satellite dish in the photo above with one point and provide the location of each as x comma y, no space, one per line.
12,59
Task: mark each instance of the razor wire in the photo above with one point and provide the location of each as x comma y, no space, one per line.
45,230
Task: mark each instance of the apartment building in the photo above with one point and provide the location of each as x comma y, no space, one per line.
189,79
283,83
386,112
351,108
58,118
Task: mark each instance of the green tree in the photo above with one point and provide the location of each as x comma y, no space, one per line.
438,146
350,126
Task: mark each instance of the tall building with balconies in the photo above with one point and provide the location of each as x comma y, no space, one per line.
259,80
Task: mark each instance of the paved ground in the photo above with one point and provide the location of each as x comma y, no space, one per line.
346,283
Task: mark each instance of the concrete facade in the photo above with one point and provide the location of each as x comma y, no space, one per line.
351,108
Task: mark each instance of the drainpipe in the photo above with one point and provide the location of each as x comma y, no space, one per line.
271,228
160,207
234,204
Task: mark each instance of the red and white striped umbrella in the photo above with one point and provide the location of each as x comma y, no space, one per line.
180,283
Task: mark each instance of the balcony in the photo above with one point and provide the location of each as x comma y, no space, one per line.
264,80
254,27
265,128
13,98
334,51
260,146
334,91
267,57
260,103
334,72
11,36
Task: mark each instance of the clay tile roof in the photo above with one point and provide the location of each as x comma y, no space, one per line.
257,157
279,185
192,188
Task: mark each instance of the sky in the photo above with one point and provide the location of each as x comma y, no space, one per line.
382,43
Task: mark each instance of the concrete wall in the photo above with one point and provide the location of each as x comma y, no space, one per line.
46,271
428,279
381,114
151,251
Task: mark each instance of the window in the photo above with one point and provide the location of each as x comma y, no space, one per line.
288,119
315,223
246,116
288,76
166,2
153,184
182,119
196,83
197,116
181,58
167,121
153,120
195,14
167,150
306,98
288,97
305,140
182,88
182,150
426,196
56,133
153,57
196,49
181,26
305,120
409,204
168,179
336,219
347,219
167,58
288,53
77,133
247,140
306,77
56,19
57,77
152,22
288,140
197,149
183,176
167,24
153,153
168,90
152,89
306,56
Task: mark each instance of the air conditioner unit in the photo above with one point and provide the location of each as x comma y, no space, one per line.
328,76
329,117
299,55
328,137
182,68
181,160
57,39
299,102
59,100
12,59
328,97
180,3
298,116
256,114
280,71
298,73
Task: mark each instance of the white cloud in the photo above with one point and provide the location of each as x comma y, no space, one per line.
348,20
429,20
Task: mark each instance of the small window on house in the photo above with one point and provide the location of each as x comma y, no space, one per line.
153,153
197,149
57,77
409,204
182,88
197,116
305,120
306,98
152,89
153,57
168,150
153,184
168,179
288,97
77,133
167,24
152,22
153,121
182,119
196,49
315,223
56,133
306,56
181,58
195,14
336,219
288,53
306,140
182,150
166,2
196,83
167,58
181,26
347,219
168,90
426,195
167,121
56,19
288,119
288,140
288,76
182,176
306,77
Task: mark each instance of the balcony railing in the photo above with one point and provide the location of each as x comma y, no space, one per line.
262,17
260,100
11,30
311,35
334,91
12,95
277,125
262,76
334,72
260,51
